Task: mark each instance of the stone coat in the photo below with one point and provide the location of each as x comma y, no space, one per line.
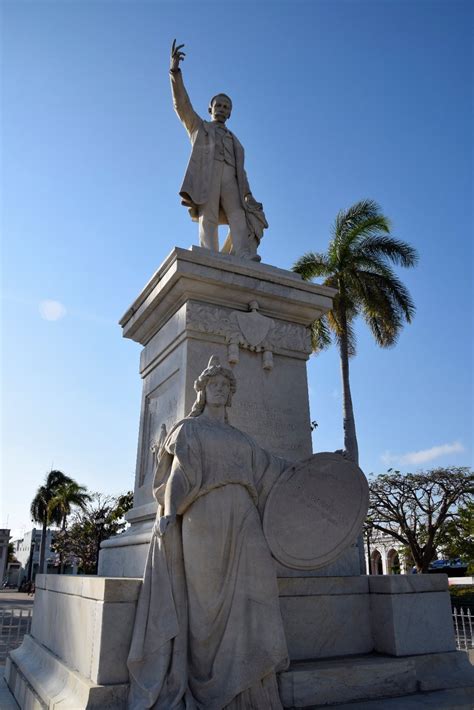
195,188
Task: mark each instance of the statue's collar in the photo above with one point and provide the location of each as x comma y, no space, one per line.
214,125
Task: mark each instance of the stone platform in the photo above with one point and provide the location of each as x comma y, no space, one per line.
351,640
378,678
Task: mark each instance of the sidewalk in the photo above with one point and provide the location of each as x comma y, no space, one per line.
16,599
7,701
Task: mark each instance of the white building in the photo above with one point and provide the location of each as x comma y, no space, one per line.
387,555
27,551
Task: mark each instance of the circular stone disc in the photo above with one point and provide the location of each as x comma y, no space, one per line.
315,511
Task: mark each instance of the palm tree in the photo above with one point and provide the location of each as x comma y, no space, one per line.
59,507
40,507
357,264
67,495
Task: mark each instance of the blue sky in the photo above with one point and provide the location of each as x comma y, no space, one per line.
333,101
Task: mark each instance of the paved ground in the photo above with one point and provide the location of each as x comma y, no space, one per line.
7,701
16,599
15,621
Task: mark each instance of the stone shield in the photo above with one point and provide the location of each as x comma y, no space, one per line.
315,511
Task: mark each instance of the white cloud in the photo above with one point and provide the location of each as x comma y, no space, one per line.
52,310
422,456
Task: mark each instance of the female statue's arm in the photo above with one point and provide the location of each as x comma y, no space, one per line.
176,490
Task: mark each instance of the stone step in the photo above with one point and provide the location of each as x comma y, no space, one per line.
453,699
343,680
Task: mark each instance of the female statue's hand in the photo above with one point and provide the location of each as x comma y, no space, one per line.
164,522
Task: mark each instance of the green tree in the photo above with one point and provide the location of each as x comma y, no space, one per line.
417,508
458,535
100,518
357,264
11,553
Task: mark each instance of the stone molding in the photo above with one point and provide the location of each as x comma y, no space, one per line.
205,276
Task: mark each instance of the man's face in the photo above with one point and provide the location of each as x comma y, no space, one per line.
217,391
221,109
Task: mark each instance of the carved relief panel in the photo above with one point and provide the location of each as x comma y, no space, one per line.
249,331
160,412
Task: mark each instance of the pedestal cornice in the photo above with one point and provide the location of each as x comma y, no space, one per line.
198,274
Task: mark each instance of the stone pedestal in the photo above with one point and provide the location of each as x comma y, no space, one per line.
350,637
348,641
76,653
255,318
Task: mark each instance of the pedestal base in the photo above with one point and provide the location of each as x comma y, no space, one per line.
39,681
381,682
350,639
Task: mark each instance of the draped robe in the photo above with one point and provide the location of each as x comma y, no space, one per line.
208,630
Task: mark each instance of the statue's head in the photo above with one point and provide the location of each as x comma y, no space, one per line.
215,381
220,107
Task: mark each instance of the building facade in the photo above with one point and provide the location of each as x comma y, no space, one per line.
27,551
385,555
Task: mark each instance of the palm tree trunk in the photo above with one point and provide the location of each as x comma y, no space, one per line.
350,438
43,548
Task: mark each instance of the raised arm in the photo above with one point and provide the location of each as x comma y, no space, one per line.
181,103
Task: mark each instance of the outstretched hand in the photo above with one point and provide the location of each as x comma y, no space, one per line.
176,56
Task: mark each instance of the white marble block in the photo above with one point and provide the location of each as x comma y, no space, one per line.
411,614
322,683
326,616
78,645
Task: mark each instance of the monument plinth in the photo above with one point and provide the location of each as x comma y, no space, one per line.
349,637
255,317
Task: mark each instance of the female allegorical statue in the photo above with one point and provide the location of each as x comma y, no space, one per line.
208,632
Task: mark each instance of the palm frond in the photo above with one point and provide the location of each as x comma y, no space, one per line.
384,303
311,265
341,250
320,334
358,221
39,505
391,287
395,250
346,220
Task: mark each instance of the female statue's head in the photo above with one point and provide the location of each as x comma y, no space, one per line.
213,379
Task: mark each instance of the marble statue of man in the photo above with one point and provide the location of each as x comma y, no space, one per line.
215,186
